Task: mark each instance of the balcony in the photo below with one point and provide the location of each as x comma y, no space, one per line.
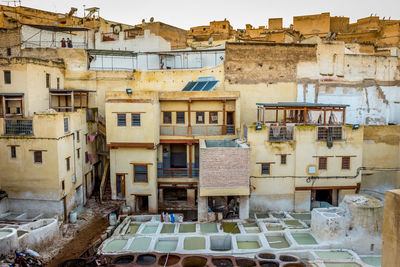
18,127
197,130
280,133
177,173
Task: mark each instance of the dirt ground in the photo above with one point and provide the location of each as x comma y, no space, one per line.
76,238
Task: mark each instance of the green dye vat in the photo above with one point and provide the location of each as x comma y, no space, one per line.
140,244
4,233
250,225
262,215
301,216
230,227
274,227
373,261
341,264
252,231
279,215
277,241
304,239
294,224
208,228
150,229
168,228
115,245
166,245
21,233
248,244
194,243
133,228
333,255
187,228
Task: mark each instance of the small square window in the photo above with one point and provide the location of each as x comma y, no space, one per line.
78,153
135,119
121,119
140,173
180,117
66,128
67,162
8,51
78,137
322,163
37,156
283,159
200,117
13,152
345,163
265,168
213,117
86,157
7,77
47,80
167,117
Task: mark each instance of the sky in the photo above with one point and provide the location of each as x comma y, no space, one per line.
187,13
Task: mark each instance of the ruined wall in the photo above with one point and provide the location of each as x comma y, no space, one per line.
339,24
175,36
252,63
10,39
275,23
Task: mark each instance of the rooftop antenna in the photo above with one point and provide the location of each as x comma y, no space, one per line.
15,2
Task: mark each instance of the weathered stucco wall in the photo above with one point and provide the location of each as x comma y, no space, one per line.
391,229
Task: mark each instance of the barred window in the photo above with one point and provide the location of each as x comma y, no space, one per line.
121,119
180,117
329,133
322,163
47,80
7,77
213,117
280,133
135,119
167,117
13,152
140,173
265,168
67,162
345,163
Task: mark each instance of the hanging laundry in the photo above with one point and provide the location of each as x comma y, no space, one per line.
91,158
91,138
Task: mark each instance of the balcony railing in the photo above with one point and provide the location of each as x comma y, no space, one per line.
174,130
280,133
329,133
178,173
18,127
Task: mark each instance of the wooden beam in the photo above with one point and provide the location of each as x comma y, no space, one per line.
303,188
179,141
122,144
129,101
190,160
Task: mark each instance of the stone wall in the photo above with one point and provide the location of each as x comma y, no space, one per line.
391,229
252,63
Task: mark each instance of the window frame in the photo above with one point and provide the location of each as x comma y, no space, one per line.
78,137
343,164
119,119
66,125
265,171
170,117
38,156
134,172
321,163
86,157
48,78
177,117
198,114
7,76
132,119
210,114
13,150
283,159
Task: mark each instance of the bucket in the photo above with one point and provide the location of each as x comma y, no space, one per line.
113,219
73,216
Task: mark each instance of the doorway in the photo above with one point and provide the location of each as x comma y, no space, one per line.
120,184
142,203
230,122
178,156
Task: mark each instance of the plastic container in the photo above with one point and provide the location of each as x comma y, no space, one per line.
73,216
113,219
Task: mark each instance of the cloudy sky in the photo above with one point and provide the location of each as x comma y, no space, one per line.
188,13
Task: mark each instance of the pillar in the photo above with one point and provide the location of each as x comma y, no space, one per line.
160,195
335,197
202,209
391,229
244,207
191,196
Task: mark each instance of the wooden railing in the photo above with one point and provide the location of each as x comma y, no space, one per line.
178,173
197,130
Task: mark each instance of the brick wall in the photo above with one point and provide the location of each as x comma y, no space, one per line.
10,39
253,63
224,167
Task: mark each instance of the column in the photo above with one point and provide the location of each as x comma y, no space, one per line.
202,209
191,196
244,207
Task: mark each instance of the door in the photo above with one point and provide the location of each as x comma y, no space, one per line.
230,122
120,185
64,200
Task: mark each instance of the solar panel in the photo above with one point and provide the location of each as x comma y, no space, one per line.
189,86
210,86
199,86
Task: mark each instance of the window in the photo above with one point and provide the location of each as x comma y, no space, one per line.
213,117
58,82
7,77
47,80
78,153
265,168
180,117
66,125
86,157
78,137
8,51
18,109
86,138
37,157
223,26
280,133
135,119
67,162
167,117
200,117
140,173
62,185
322,163
329,133
345,163
121,119
13,152
283,159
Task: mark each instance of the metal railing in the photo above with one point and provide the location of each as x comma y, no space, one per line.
18,127
207,130
280,133
39,44
329,133
174,130
177,173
